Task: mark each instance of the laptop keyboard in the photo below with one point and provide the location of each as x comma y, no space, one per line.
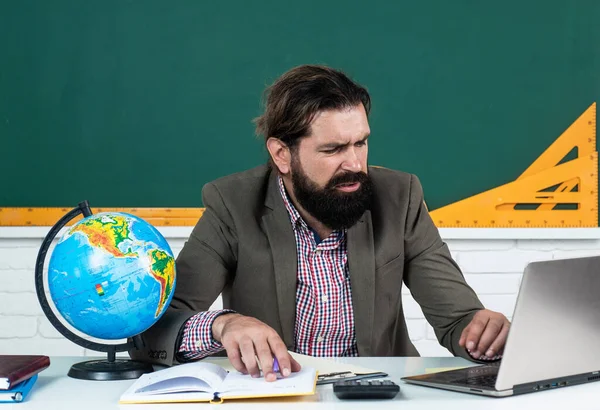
484,376
485,381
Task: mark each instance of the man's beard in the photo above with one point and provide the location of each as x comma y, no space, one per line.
333,208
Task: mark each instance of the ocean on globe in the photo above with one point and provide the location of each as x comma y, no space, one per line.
111,275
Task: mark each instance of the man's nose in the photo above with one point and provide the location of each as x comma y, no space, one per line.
352,161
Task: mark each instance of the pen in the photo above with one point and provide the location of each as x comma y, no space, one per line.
335,374
275,365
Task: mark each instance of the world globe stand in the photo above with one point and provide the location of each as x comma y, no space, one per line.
111,368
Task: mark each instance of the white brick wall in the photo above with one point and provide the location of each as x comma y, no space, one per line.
493,267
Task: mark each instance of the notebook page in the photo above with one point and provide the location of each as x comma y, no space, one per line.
130,396
176,385
297,383
193,376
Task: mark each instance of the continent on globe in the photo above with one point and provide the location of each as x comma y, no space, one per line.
163,269
106,233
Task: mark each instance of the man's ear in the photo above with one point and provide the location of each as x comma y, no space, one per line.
280,154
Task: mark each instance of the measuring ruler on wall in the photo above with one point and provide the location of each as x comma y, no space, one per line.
574,183
49,216
550,193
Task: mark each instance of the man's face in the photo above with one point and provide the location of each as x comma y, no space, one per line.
329,168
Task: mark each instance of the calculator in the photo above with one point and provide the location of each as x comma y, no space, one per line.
365,389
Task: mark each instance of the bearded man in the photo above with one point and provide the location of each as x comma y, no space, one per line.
310,251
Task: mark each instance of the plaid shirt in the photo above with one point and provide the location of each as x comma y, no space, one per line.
324,316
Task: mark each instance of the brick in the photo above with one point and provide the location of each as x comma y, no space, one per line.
563,244
176,245
176,251
17,280
431,348
416,328
177,242
575,253
412,310
17,326
494,283
430,335
499,261
47,330
480,245
21,243
217,304
20,304
504,304
18,258
40,345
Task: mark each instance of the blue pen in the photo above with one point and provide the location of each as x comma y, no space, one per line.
275,365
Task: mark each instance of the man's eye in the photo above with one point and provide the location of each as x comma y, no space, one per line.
361,143
331,151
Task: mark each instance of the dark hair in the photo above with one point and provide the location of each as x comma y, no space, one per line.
294,99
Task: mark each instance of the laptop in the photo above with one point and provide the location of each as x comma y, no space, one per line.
553,340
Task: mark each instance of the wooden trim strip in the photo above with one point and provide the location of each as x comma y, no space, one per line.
49,216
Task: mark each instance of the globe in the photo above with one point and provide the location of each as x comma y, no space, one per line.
111,275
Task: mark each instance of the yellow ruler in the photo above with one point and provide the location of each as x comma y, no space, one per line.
550,193
49,216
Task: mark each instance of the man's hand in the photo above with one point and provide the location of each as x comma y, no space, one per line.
485,335
246,338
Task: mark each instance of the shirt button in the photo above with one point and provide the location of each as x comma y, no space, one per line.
198,345
325,298
320,339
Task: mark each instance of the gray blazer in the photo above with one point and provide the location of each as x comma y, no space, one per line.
244,247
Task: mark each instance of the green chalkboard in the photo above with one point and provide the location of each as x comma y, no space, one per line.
132,103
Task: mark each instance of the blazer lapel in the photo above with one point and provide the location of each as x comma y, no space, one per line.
361,264
285,260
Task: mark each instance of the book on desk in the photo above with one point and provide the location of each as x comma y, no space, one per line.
209,382
220,381
18,392
17,368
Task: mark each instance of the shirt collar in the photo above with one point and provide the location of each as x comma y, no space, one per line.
295,217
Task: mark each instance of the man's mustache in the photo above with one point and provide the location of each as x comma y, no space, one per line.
347,178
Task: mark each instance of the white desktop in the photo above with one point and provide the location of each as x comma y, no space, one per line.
55,390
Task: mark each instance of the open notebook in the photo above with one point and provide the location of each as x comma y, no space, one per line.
209,382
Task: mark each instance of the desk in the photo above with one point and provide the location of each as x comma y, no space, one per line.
55,390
